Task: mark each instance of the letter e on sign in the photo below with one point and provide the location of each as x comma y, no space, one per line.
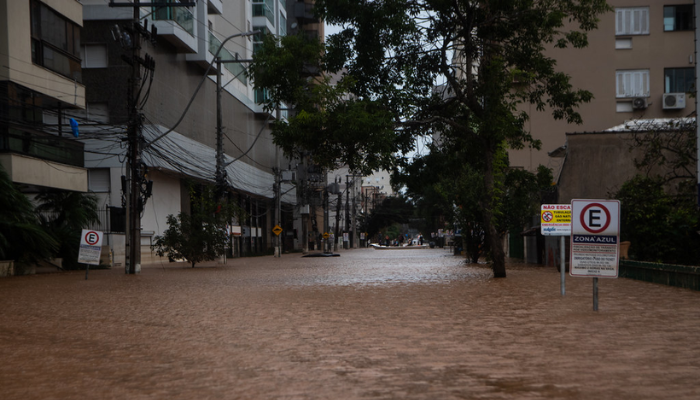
595,217
91,238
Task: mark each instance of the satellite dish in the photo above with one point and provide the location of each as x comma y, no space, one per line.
294,25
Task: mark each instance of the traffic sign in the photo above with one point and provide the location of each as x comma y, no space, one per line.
595,238
555,219
90,247
277,230
326,235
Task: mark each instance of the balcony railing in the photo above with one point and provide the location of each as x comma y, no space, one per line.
264,9
235,68
182,16
43,146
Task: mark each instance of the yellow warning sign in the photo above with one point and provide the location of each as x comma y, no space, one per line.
277,230
326,235
555,219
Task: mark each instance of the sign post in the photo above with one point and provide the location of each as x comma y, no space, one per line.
90,249
595,240
555,220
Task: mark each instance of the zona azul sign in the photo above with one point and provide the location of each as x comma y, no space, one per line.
595,238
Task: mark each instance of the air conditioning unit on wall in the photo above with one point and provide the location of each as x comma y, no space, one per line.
639,103
673,101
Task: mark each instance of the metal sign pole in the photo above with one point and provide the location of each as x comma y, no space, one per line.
595,294
563,265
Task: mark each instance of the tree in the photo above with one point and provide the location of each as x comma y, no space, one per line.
662,227
21,236
392,211
668,149
198,235
64,215
489,56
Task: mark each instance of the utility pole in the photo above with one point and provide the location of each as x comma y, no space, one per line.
136,185
353,238
220,172
347,208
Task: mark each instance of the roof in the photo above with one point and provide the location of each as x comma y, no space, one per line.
656,124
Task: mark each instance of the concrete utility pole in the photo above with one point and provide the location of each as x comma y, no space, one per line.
135,173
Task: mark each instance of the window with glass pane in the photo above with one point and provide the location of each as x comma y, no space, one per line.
55,41
678,18
679,80
283,25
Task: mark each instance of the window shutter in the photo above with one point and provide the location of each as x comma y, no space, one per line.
619,22
94,56
628,22
636,22
98,180
620,92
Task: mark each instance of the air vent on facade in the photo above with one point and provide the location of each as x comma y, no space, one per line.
674,101
639,103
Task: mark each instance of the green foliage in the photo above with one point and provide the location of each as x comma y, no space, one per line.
661,227
64,215
392,53
391,212
21,236
670,150
199,235
443,184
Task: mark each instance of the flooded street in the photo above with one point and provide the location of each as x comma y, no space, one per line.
369,324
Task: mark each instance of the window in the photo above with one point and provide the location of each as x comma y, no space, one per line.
632,83
259,37
678,18
93,56
98,180
632,21
55,41
679,80
283,25
625,43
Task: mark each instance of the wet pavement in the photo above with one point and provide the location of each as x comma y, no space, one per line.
369,324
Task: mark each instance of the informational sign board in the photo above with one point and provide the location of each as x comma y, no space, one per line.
595,238
90,247
555,219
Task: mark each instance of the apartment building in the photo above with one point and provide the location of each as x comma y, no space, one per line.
639,64
41,75
179,127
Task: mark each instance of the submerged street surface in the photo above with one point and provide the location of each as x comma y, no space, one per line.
369,324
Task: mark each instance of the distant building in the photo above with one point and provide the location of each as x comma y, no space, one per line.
638,64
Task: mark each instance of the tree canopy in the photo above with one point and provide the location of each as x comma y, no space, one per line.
417,68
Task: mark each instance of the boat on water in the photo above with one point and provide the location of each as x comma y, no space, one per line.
405,247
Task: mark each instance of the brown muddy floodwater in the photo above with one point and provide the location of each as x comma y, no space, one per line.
369,324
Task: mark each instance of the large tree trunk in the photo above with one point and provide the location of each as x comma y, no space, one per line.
498,257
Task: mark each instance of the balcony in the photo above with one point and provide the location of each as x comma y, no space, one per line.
39,160
44,146
215,7
176,25
235,68
264,8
